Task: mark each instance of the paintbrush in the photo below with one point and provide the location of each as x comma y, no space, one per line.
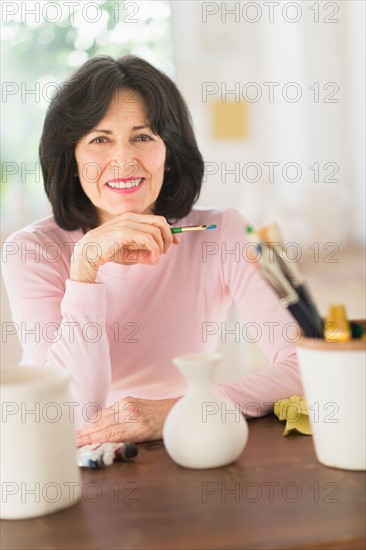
191,228
271,271
272,237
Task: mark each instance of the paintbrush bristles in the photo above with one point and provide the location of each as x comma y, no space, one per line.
271,233
272,236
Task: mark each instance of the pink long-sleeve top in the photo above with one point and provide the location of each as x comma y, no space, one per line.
117,337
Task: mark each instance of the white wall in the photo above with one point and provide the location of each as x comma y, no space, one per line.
226,52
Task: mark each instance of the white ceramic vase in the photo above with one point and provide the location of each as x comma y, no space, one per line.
203,429
39,474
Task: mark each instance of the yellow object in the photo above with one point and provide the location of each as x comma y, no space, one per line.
228,119
336,327
295,412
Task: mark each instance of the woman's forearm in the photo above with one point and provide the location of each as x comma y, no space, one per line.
256,393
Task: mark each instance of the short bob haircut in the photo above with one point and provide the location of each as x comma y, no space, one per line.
82,102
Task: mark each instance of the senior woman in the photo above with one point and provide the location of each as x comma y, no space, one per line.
114,294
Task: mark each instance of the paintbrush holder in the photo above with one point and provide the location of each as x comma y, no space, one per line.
203,429
333,376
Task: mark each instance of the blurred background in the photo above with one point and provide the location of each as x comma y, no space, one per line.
276,92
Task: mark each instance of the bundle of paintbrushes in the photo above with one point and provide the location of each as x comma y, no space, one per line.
285,278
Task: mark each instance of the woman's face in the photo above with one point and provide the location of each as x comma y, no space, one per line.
120,161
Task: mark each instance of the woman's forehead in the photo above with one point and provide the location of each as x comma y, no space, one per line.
125,105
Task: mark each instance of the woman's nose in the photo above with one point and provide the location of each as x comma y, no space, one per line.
125,168
130,166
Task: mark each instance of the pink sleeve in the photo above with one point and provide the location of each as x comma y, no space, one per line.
59,322
259,307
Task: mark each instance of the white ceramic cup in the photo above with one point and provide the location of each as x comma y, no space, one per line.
39,474
333,375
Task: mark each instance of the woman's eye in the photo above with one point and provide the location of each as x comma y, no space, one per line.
144,137
99,140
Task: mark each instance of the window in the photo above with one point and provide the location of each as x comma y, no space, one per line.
44,42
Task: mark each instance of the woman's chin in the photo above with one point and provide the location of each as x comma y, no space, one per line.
108,214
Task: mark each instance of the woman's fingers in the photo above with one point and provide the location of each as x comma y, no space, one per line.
137,233
117,423
127,239
157,226
166,233
130,419
125,411
122,246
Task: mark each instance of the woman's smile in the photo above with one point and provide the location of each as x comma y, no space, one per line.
129,185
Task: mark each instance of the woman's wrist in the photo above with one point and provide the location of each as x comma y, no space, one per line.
83,272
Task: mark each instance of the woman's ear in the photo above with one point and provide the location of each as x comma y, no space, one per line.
167,163
75,167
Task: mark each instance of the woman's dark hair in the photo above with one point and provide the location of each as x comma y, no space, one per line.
82,101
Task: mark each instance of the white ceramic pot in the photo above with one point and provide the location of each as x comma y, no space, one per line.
333,375
39,474
203,429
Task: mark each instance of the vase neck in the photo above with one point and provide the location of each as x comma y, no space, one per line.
199,370
198,386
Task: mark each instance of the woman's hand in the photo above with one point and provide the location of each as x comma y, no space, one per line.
127,239
131,419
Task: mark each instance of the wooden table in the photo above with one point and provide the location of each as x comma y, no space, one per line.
275,496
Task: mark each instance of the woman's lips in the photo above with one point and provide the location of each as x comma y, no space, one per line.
126,190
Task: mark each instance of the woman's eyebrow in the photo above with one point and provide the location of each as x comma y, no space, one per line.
109,132
142,127
101,130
